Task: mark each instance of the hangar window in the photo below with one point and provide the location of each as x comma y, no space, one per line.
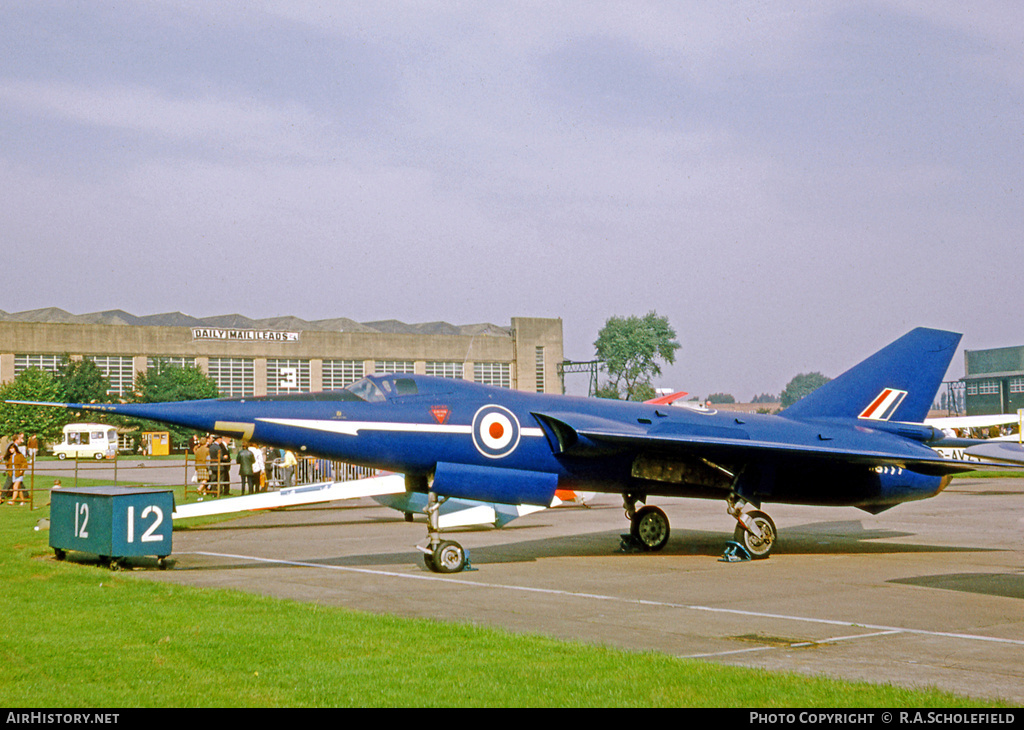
1017,385
493,373
157,364
393,366
234,376
119,372
341,373
49,363
287,376
451,370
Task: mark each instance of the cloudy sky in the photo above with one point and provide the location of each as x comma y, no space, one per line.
792,185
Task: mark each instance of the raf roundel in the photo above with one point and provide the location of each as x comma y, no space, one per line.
495,431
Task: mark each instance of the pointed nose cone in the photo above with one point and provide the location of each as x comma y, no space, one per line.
201,415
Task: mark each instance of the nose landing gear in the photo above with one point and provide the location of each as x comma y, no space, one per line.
441,556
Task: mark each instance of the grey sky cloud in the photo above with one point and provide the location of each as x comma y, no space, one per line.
792,186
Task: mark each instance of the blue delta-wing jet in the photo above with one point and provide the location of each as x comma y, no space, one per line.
859,440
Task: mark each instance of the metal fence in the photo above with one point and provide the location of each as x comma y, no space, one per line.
171,473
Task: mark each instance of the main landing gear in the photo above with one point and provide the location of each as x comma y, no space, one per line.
755,530
441,556
649,529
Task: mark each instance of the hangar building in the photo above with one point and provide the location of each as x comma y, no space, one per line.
283,355
994,380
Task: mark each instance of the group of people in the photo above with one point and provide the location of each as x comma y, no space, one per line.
16,457
213,465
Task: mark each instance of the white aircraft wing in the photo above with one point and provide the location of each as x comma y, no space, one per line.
293,496
996,419
996,450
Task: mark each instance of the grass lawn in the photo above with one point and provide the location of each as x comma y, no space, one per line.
79,636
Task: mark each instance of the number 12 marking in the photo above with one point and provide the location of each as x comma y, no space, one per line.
81,511
148,535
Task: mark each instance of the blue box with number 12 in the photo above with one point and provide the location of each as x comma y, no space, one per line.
112,522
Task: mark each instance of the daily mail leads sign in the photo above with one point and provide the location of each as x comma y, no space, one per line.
209,333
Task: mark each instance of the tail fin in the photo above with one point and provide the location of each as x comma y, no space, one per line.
897,383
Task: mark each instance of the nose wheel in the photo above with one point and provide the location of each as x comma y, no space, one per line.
447,557
441,556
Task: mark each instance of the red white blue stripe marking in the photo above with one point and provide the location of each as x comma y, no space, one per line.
884,406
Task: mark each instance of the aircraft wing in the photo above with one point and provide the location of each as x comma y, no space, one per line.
294,496
577,435
1008,452
667,400
997,419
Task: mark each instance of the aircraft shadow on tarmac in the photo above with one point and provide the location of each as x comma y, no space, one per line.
838,538
822,538
1007,585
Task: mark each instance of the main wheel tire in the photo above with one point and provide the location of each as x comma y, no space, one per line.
449,557
649,527
759,548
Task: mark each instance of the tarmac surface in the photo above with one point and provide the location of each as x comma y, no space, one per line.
927,594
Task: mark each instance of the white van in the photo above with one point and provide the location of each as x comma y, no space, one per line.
85,440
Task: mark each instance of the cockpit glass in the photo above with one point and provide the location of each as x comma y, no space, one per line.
366,390
406,386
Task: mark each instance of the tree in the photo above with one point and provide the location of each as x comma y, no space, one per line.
630,349
82,381
800,386
37,385
172,383
721,398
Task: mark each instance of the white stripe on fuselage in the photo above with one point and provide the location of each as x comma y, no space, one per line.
352,428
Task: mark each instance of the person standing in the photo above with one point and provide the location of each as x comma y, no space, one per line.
246,459
220,463
18,465
225,466
8,489
202,453
288,468
214,462
258,466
